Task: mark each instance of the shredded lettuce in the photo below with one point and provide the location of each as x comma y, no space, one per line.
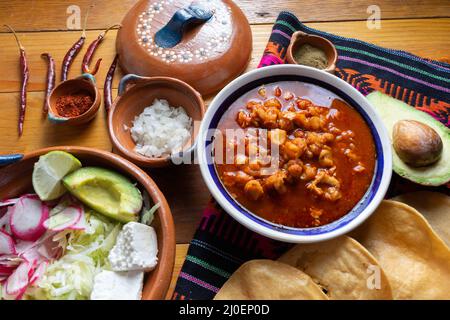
85,255
149,214
148,211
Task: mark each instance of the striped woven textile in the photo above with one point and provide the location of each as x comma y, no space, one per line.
220,244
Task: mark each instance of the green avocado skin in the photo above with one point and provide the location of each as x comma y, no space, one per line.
105,191
392,110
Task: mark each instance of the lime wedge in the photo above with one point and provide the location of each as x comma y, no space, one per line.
49,171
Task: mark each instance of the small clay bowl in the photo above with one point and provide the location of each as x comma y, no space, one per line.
300,38
85,82
135,94
15,180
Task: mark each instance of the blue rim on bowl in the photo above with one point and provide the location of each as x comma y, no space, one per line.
346,92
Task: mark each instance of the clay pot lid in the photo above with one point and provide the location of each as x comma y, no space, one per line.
209,55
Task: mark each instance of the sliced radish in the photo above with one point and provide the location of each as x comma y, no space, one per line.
5,295
61,203
27,218
65,219
8,202
66,201
32,256
6,271
18,281
10,260
22,246
6,243
21,294
33,267
82,223
38,273
13,201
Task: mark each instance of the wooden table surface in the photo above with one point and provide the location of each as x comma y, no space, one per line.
420,27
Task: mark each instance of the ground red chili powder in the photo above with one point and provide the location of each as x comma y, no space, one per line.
74,104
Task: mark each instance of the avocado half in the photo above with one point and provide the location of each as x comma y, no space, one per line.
392,110
106,192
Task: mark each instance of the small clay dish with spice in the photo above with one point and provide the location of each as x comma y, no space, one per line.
75,101
319,44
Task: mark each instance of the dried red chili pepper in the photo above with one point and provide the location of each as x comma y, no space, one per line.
107,88
90,52
51,79
73,51
25,75
70,56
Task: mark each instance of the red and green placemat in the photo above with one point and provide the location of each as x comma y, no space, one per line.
221,244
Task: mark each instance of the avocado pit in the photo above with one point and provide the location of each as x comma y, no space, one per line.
416,143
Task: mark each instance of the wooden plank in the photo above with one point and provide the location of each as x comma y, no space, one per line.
424,37
179,259
342,10
27,15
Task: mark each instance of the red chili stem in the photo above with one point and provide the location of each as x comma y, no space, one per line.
91,50
25,76
73,51
51,79
107,88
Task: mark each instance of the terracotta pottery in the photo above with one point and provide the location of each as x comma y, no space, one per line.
135,94
15,180
300,38
209,55
85,82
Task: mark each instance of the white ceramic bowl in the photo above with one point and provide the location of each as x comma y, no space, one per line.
346,92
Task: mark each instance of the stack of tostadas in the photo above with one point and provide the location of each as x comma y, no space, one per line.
401,252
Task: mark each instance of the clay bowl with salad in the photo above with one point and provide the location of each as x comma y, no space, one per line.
294,153
152,121
80,223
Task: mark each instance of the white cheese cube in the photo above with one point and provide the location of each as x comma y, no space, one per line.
136,248
110,285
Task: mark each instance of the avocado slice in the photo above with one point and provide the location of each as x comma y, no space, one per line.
106,192
392,110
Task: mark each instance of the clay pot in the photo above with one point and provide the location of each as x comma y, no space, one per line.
135,94
300,38
15,180
208,73
85,82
